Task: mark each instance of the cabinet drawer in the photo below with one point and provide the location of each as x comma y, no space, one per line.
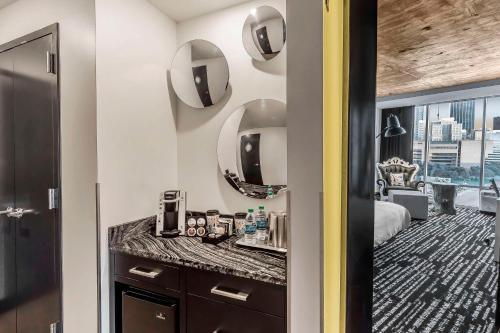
212,316
251,294
148,271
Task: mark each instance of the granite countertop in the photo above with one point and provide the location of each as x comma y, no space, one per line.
136,238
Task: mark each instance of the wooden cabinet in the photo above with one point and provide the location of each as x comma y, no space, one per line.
208,301
251,294
213,316
148,271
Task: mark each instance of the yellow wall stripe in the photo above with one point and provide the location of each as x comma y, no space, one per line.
335,107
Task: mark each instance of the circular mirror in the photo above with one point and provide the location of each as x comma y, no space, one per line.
200,73
252,149
264,33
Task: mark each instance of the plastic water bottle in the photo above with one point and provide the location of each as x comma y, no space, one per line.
250,227
270,192
261,220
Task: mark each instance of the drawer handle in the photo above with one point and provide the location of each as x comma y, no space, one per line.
149,273
237,295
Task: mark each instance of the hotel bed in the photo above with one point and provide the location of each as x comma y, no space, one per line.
390,219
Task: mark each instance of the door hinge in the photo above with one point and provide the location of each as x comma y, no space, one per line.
53,198
51,63
54,327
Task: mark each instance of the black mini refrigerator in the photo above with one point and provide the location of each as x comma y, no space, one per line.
148,313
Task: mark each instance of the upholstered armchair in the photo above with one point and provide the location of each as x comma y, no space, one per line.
401,169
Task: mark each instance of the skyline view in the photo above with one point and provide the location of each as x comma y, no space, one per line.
454,149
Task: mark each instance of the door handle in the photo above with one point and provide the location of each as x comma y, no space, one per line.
8,211
19,212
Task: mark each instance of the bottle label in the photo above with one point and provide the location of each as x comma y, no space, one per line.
250,228
262,224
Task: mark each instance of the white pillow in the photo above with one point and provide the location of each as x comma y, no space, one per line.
397,179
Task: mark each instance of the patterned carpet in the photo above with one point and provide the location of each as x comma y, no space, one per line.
437,276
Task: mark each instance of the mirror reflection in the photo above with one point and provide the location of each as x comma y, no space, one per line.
252,149
264,33
200,73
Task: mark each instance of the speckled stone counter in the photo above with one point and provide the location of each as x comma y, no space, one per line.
136,238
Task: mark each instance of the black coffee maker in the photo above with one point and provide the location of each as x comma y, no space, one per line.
171,218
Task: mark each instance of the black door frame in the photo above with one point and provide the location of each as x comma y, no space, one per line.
51,30
361,164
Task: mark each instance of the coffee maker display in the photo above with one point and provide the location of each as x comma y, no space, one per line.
171,218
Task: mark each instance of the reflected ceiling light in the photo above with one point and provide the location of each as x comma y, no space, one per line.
254,12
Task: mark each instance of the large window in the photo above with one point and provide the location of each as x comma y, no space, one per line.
492,141
458,142
419,134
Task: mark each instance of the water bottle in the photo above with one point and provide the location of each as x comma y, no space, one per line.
270,192
261,220
250,227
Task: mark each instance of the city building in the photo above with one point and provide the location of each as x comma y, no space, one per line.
496,123
446,130
447,153
464,112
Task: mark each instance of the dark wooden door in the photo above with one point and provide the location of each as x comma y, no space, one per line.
200,77
7,226
30,162
263,38
250,159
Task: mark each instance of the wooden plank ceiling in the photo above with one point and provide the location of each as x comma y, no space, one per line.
426,44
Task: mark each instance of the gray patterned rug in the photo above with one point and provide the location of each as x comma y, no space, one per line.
437,276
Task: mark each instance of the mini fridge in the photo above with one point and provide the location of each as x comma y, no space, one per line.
143,312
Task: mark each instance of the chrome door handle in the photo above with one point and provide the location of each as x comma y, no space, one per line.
7,211
19,212
237,295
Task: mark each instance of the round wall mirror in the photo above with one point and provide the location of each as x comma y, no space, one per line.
252,149
264,33
200,73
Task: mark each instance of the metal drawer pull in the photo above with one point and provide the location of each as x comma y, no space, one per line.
237,295
149,273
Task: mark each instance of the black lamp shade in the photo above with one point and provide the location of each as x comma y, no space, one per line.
393,127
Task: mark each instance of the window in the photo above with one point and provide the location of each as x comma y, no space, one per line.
419,134
492,141
454,148
448,146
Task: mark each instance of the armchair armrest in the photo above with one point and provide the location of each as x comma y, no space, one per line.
382,186
417,184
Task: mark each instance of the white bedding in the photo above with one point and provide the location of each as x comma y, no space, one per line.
390,219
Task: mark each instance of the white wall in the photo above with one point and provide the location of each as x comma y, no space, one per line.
78,144
305,165
137,145
198,130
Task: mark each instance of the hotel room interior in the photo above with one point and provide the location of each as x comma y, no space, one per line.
438,166
249,166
